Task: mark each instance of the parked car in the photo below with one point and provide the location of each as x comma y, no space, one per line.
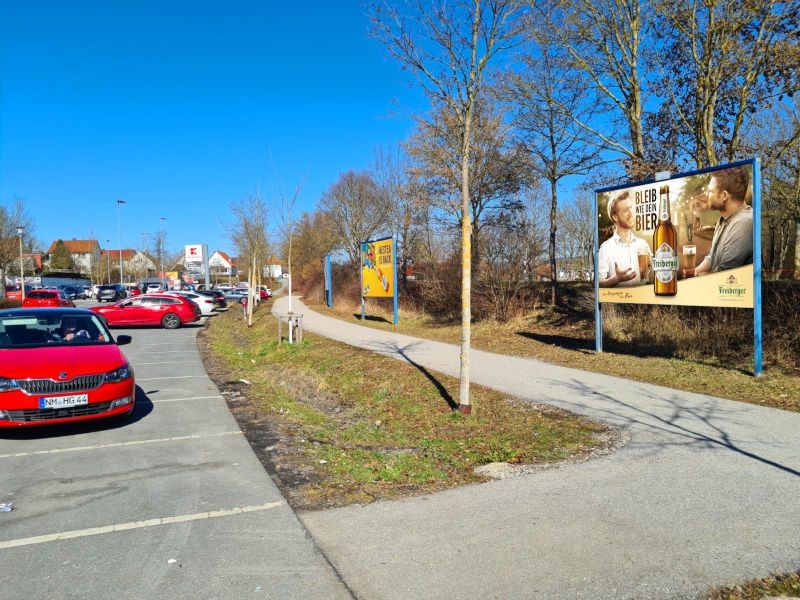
164,310
47,297
153,288
94,289
73,292
51,376
218,296
264,292
111,293
133,290
14,292
205,303
237,295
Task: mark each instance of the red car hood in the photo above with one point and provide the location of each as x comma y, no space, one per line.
50,361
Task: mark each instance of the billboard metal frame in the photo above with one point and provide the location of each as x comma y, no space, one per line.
757,314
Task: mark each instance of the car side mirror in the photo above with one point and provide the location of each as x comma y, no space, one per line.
124,339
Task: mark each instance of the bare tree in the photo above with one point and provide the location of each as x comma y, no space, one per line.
449,47
249,234
723,61
11,217
406,212
550,105
602,41
287,220
357,210
499,168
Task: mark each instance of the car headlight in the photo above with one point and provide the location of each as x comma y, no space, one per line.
118,375
8,385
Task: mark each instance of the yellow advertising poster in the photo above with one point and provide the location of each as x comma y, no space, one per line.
682,241
377,269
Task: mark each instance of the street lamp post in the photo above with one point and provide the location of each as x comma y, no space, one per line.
108,255
161,252
119,230
20,231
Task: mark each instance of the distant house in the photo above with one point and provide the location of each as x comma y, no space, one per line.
83,252
111,258
221,263
142,264
274,268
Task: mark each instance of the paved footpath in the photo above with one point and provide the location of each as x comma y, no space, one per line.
705,492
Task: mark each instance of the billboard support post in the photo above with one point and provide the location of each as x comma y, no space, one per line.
757,348
598,315
361,283
326,268
394,281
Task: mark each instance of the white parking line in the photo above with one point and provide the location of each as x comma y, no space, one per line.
67,535
119,444
176,377
217,397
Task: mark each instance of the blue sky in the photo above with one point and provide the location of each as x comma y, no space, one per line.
179,108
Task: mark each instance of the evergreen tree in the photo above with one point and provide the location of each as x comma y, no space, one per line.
61,259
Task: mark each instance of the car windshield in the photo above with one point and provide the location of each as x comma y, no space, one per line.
51,329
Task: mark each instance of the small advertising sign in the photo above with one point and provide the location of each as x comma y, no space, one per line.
687,240
377,268
193,253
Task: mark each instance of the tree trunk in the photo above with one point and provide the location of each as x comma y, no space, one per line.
796,265
464,404
553,214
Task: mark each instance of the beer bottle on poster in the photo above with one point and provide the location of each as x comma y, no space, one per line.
665,245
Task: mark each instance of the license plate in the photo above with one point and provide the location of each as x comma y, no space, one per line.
64,401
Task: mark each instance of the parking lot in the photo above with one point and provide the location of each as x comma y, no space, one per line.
171,503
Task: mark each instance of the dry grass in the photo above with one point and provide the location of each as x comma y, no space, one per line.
787,586
352,426
698,350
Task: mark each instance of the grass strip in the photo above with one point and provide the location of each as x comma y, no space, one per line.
349,426
567,344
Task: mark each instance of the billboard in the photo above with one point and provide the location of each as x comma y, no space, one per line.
687,240
377,269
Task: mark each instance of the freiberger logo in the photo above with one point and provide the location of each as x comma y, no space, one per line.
731,289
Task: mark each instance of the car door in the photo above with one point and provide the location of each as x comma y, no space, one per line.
129,312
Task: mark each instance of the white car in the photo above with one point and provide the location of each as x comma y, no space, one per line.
205,303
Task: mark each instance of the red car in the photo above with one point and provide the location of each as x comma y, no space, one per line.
133,290
46,297
14,292
59,365
169,312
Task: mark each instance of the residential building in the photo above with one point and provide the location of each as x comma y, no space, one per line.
84,253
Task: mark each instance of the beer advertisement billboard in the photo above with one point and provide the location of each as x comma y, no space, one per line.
377,268
687,240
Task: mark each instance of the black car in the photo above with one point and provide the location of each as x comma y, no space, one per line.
217,295
73,292
112,293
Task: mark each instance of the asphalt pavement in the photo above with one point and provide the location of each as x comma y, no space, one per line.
172,504
705,492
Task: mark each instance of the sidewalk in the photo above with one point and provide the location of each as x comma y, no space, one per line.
705,492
